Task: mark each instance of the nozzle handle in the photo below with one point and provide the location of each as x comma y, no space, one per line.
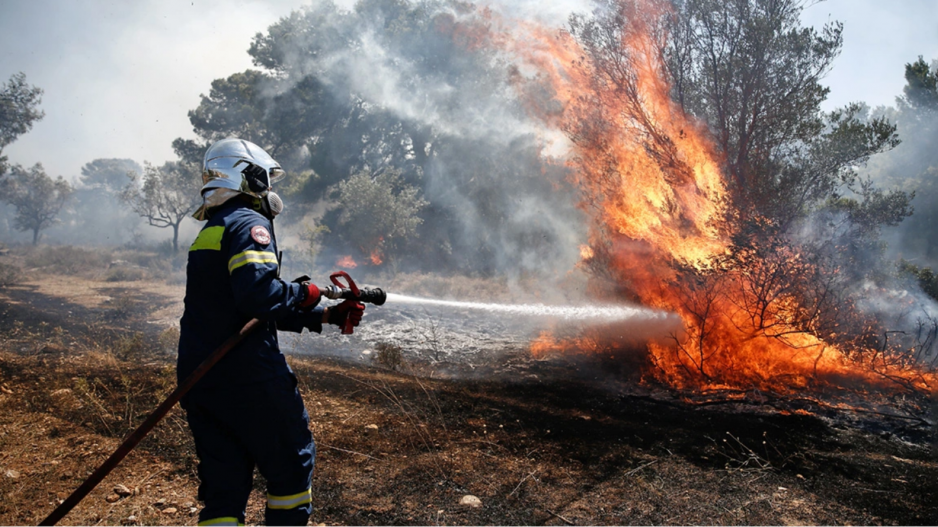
347,327
350,284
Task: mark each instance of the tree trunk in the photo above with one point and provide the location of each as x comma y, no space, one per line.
36,236
176,238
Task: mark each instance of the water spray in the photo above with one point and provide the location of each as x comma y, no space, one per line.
597,313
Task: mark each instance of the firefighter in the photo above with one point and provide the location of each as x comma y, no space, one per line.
247,411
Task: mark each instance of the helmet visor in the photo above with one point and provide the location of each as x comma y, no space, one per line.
276,174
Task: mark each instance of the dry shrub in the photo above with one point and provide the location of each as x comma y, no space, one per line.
157,262
9,275
122,307
169,339
388,355
125,274
68,260
129,347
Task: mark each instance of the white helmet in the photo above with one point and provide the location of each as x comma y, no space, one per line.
239,165
235,166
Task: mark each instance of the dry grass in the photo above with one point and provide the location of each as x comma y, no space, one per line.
398,448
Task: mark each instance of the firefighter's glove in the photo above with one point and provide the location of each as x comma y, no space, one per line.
349,311
309,292
312,298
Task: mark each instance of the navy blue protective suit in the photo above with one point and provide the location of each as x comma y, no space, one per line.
246,411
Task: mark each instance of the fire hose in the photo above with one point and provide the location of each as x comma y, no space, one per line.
338,291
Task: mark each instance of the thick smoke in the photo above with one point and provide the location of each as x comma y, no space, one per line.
498,204
913,165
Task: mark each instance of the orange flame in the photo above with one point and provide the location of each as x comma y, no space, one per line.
346,262
377,255
651,181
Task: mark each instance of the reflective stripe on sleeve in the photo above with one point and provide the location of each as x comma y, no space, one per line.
258,257
209,238
227,520
290,502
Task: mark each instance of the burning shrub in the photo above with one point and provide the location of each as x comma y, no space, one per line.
745,232
379,212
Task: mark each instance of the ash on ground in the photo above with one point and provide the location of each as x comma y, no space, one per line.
443,335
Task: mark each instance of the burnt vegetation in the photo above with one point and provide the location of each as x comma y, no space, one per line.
554,442
411,135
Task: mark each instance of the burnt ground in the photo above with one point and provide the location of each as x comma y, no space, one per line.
538,442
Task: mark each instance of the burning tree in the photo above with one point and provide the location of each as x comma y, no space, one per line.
719,190
379,212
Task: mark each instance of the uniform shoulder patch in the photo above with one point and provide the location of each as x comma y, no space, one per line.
260,234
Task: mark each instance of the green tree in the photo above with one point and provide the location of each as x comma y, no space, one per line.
19,109
921,89
38,198
164,196
751,72
401,85
379,211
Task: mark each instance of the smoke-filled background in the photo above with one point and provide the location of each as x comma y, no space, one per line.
684,155
120,80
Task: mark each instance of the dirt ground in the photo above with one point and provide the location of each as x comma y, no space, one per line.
567,443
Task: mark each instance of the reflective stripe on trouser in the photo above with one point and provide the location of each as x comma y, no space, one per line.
290,502
236,428
228,520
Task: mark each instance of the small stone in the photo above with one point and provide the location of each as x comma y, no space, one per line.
169,510
470,501
112,498
131,518
371,427
122,491
193,510
12,474
160,502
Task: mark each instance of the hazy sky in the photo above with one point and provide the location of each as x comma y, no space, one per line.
120,76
